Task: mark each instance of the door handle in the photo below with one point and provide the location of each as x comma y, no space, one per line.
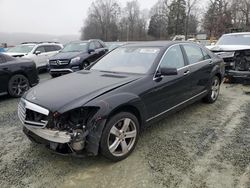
210,62
186,72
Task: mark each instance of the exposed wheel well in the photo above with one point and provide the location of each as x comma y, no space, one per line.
127,108
219,76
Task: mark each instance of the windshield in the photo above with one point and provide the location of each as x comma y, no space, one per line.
234,40
128,60
21,49
75,47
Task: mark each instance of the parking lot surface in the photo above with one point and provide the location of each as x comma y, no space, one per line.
200,146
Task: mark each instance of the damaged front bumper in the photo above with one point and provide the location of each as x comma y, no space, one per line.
39,127
51,135
238,74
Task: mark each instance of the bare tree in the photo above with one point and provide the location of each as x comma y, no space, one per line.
102,20
190,6
132,10
218,18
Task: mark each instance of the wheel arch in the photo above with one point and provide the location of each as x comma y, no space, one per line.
219,76
128,108
20,73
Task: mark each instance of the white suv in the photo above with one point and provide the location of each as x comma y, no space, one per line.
38,52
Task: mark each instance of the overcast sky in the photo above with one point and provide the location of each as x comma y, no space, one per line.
59,17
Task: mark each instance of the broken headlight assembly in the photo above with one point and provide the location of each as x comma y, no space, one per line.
77,123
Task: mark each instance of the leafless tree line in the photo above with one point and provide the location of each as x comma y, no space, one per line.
109,21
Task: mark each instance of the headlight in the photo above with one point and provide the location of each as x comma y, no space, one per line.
74,60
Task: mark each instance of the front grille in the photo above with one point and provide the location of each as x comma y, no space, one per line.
59,62
32,114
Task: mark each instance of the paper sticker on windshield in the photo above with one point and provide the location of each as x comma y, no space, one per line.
247,36
149,50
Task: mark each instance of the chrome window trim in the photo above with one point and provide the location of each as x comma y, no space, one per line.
176,106
162,59
186,66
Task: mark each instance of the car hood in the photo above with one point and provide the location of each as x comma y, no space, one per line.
218,48
76,89
66,55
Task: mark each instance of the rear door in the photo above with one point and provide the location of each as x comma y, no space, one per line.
169,91
51,50
4,74
201,67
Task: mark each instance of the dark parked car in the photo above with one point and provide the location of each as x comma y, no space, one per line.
76,56
103,109
234,48
16,75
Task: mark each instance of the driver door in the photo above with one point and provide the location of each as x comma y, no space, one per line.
168,92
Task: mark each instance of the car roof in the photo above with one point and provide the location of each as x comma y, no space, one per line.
240,33
158,43
82,41
40,43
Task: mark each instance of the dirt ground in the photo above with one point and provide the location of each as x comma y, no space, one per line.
201,146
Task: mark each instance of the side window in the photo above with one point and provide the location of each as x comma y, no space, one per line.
57,48
41,49
173,58
49,48
206,55
194,53
92,46
98,45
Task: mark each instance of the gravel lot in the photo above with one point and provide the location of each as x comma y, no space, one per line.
200,146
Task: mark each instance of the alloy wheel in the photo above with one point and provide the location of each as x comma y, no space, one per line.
215,89
19,85
122,137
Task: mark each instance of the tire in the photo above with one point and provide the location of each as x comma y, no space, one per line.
85,64
18,85
54,75
116,144
214,90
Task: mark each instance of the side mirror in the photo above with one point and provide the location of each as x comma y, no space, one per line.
91,51
38,52
165,71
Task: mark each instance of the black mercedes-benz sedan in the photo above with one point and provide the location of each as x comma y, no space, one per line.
104,108
76,56
16,75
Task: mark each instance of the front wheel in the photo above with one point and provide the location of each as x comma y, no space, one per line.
119,136
214,90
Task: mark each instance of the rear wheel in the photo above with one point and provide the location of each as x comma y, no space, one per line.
120,136
18,85
214,90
